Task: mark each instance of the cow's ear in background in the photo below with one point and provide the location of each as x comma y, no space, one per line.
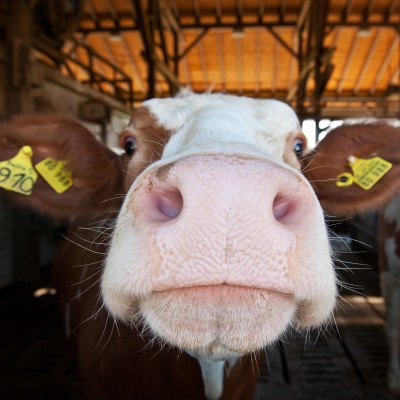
96,172
324,166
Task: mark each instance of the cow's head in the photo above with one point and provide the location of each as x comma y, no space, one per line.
220,246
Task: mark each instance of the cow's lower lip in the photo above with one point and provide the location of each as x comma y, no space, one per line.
239,319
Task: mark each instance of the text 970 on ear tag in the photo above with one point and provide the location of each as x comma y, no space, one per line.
18,174
54,174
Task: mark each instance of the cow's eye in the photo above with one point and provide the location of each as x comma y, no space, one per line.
129,145
298,147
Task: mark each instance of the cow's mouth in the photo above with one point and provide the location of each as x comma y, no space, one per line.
207,318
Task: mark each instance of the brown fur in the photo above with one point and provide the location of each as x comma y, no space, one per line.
363,141
96,177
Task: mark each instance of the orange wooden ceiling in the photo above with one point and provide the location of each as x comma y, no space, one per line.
365,61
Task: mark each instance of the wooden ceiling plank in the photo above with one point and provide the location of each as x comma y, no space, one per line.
367,61
203,64
348,63
385,63
133,65
195,42
239,65
258,62
275,71
293,62
394,77
221,60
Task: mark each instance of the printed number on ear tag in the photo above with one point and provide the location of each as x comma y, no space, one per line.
18,174
368,172
54,174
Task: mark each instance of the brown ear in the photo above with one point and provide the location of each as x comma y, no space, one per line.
329,159
96,172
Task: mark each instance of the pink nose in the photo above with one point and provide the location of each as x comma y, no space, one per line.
222,220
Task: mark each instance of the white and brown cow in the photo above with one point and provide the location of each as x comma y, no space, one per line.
219,248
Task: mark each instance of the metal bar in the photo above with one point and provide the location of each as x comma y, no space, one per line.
193,44
385,63
348,63
93,13
367,60
282,42
230,25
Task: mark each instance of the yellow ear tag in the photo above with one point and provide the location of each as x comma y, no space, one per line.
54,174
345,179
18,174
368,172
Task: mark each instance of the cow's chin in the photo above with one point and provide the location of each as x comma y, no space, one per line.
218,322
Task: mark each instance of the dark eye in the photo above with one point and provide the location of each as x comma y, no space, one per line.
129,145
298,146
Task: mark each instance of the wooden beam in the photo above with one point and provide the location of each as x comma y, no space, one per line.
347,10
368,10
282,42
385,63
113,13
348,63
221,60
299,24
367,61
391,9
282,10
193,44
93,13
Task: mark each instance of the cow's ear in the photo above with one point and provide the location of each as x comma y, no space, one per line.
96,172
330,159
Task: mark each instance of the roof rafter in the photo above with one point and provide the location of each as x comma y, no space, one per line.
385,63
348,63
367,60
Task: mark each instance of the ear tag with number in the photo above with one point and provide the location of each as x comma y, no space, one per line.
18,174
368,172
54,174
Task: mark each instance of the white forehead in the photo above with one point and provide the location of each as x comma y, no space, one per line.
272,117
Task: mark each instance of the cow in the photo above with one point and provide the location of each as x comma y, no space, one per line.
206,235
365,139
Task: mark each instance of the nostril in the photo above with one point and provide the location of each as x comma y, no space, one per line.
281,206
280,210
170,203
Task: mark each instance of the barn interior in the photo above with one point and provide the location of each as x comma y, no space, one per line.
96,60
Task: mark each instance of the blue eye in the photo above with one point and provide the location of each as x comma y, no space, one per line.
130,145
298,147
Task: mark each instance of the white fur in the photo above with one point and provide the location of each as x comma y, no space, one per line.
216,124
